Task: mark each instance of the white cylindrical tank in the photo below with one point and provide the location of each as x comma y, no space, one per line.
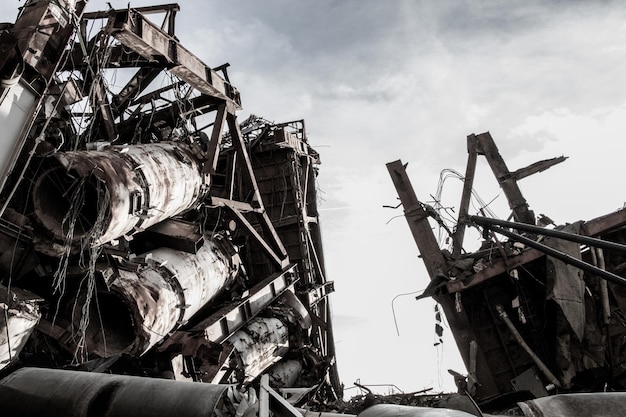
257,346
128,188
144,306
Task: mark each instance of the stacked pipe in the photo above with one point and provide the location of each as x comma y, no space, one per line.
167,287
130,187
257,346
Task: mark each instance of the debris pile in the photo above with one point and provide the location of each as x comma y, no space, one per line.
143,229
538,309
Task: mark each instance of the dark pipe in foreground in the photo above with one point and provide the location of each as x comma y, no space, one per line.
35,392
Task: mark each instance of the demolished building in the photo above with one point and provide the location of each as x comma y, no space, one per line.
150,243
538,309
144,229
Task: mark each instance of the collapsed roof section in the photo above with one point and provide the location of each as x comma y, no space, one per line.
537,314
140,218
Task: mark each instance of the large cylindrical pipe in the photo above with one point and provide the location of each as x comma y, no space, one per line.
128,187
285,373
52,392
142,307
257,346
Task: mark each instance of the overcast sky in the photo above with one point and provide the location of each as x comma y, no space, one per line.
377,81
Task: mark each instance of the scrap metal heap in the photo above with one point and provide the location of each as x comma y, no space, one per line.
539,313
143,230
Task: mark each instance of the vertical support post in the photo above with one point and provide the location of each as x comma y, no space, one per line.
434,260
468,184
487,147
417,218
213,151
250,180
264,397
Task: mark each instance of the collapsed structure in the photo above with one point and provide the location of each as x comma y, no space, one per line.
537,314
143,229
146,233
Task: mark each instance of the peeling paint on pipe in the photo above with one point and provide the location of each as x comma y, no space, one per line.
259,345
137,186
285,373
145,306
51,392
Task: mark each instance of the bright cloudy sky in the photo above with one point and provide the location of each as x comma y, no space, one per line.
377,81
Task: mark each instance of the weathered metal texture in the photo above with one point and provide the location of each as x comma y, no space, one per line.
31,392
43,30
605,404
166,290
394,410
19,313
485,145
417,218
285,373
138,186
435,263
286,167
225,322
260,344
132,30
593,227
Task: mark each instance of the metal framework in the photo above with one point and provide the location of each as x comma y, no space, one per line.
533,313
132,205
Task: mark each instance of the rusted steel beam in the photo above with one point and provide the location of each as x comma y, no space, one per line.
223,323
214,202
271,240
536,167
132,30
213,149
436,266
243,222
417,218
43,30
494,270
162,8
594,227
319,292
142,78
486,146
604,224
468,185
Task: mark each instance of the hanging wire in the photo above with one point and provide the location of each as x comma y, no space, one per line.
449,222
94,249
393,310
69,224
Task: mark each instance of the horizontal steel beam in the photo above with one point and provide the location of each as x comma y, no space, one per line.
616,279
142,36
573,237
226,321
